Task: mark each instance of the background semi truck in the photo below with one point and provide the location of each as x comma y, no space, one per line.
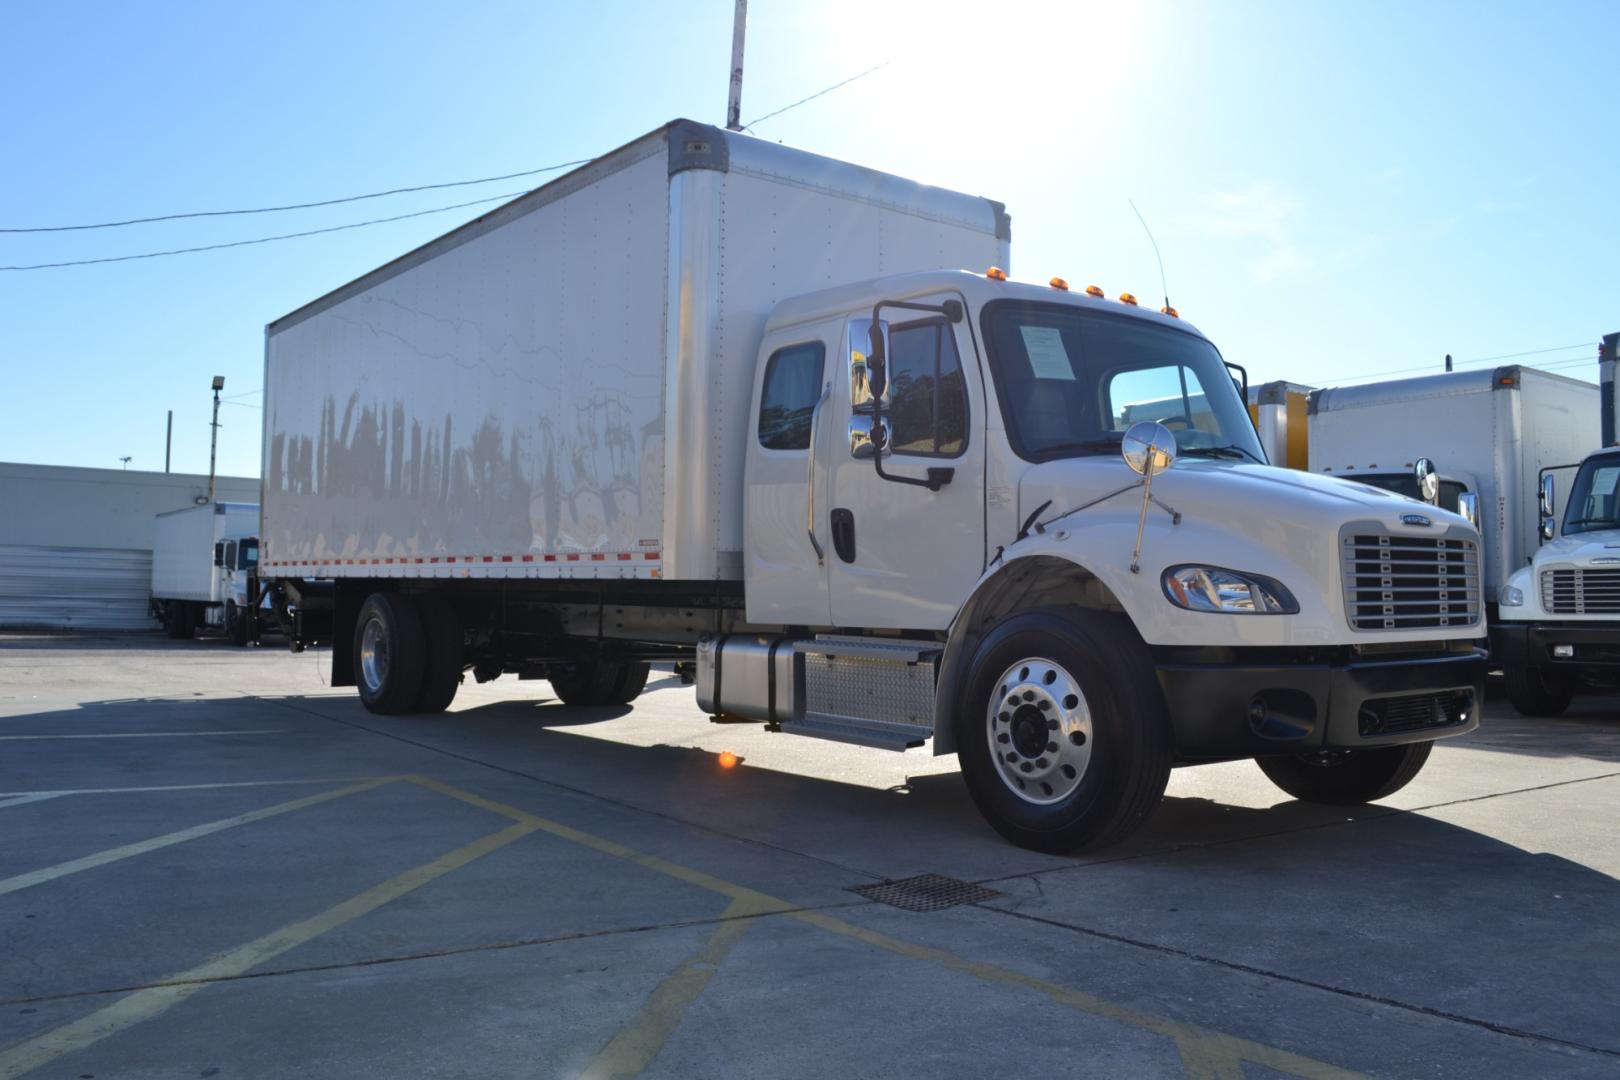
204,561
719,402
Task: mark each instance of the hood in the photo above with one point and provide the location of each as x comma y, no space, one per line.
1601,547
1228,488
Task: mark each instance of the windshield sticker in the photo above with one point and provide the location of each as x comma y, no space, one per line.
1048,359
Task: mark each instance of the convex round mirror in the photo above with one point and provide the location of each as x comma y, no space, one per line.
1428,481
1148,448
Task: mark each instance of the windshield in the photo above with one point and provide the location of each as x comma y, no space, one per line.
1592,499
1072,381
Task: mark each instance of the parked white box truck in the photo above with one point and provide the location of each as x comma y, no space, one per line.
203,561
716,401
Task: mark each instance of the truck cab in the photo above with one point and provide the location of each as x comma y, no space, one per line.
941,480
1558,629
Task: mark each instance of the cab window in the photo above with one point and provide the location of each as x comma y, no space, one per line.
927,401
788,398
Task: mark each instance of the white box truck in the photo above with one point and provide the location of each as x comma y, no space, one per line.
204,560
1488,434
716,401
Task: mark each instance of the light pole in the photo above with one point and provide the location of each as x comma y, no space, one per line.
213,442
126,459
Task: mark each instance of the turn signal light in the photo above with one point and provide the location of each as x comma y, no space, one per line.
1059,284
1093,290
1127,298
728,760
1170,311
996,273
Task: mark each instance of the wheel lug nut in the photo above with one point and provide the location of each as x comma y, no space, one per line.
1002,737
1045,704
1052,725
1040,763
1025,766
1051,748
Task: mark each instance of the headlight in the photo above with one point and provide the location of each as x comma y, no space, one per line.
1210,588
1510,597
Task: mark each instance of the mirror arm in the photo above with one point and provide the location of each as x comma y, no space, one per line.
877,362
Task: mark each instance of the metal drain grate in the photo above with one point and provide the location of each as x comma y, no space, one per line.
925,892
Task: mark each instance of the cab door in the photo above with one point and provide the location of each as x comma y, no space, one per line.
785,485
902,555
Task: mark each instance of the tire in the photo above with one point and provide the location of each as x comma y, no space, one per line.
1346,777
236,624
174,619
1062,730
185,620
389,654
442,669
599,682
1536,691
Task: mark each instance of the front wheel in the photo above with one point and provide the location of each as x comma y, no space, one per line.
1536,691
1346,777
1062,733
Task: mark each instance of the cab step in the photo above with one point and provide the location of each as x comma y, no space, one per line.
866,691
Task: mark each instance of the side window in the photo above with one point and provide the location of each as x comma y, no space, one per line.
927,400
792,388
248,556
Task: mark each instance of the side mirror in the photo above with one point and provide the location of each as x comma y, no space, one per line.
877,377
1468,507
1546,502
1148,448
219,554
1428,481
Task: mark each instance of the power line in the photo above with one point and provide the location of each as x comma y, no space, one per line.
817,94
295,206
266,239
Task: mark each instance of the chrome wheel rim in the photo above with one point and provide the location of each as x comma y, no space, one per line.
374,655
1039,727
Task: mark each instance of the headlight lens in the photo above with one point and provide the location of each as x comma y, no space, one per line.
1510,597
1211,588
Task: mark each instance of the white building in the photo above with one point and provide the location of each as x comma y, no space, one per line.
76,544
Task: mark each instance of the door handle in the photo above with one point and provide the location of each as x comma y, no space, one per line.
810,481
843,533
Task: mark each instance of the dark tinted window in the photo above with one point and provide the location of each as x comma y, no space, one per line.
792,388
927,403
1406,484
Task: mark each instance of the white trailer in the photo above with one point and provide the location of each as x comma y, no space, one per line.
716,401
203,561
1488,433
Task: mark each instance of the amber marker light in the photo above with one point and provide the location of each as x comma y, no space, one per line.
1094,290
728,760
1170,311
996,273
1127,298
1059,284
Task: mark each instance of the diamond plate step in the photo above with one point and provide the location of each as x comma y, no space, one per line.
860,732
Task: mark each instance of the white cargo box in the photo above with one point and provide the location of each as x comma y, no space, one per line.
561,387
183,548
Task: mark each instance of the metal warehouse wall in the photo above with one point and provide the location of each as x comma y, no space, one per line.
76,544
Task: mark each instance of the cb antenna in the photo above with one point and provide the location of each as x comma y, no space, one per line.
1156,255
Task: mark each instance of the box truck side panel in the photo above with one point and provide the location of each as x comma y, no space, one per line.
497,402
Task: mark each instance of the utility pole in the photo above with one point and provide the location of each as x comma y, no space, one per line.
168,441
213,442
734,106
1608,360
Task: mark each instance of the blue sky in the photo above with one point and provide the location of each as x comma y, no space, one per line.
1337,189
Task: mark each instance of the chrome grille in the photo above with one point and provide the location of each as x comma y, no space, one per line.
1580,592
1410,582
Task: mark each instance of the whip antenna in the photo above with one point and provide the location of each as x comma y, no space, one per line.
1156,255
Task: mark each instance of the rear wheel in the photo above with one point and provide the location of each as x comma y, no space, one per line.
599,682
236,623
389,654
1062,733
1346,777
442,670
1537,691
180,620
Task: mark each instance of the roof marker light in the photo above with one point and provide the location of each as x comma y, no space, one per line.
1059,284
1170,311
996,273
1127,298
1093,290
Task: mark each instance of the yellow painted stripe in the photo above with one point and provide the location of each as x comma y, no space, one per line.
141,847
194,787
638,1042
145,734
145,1004
19,800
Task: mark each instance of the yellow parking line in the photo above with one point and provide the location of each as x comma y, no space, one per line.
18,800
145,1004
1204,1053
144,734
193,787
141,847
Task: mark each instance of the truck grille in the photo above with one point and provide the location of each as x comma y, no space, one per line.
1410,582
1580,592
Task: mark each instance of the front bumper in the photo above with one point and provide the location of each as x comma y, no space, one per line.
1596,645
1230,708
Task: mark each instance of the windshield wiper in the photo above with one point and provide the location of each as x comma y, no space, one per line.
1593,521
1230,451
